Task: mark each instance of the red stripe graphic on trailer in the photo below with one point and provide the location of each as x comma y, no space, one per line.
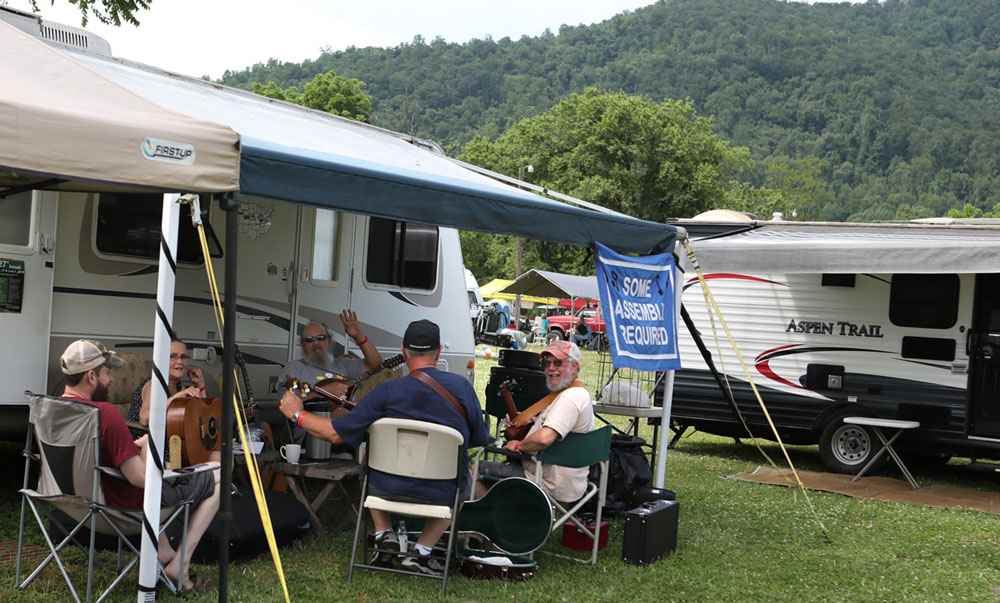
732,276
765,369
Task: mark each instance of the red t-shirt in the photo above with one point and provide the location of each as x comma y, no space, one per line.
117,446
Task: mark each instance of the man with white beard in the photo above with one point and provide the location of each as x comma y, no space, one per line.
319,363
572,411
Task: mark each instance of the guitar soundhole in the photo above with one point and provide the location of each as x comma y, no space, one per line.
213,432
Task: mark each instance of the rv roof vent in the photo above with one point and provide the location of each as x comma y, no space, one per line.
55,33
64,35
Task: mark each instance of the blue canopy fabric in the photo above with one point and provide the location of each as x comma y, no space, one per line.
296,154
366,187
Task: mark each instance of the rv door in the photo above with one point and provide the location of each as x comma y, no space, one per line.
983,345
27,246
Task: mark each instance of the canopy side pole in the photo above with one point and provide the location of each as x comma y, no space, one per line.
668,391
231,206
162,334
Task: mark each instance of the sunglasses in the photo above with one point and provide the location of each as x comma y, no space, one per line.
549,361
183,357
315,338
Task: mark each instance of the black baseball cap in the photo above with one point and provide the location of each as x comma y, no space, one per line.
422,336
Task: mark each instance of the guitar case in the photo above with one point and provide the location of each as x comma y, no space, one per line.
515,516
527,388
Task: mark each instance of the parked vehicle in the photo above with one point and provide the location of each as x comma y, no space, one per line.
896,321
562,326
475,298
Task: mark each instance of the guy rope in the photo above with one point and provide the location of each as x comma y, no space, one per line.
251,461
715,311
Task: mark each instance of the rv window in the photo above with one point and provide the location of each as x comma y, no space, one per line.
129,225
324,263
403,254
15,219
928,348
928,301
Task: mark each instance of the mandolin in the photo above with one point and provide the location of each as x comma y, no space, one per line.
340,391
198,422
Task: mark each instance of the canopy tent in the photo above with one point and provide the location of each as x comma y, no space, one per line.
57,119
791,247
554,284
292,153
492,290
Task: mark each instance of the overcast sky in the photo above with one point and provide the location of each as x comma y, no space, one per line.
207,37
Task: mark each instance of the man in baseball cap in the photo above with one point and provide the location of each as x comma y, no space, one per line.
87,366
418,398
570,410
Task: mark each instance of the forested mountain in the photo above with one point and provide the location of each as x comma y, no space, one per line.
866,111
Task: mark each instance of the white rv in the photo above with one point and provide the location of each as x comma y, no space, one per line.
898,320
81,265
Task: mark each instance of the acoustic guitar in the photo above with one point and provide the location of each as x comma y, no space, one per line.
198,423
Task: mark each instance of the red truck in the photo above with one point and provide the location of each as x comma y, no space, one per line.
562,325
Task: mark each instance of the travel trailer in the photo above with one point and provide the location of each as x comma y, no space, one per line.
82,265
896,320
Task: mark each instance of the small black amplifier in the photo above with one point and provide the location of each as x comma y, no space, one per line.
647,494
650,532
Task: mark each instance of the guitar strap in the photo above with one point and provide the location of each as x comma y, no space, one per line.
525,416
432,383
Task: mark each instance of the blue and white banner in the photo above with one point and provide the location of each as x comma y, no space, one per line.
638,304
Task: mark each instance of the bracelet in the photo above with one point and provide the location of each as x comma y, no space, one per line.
362,342
298,419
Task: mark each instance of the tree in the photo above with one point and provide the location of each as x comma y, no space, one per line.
110,12
326,92
647,159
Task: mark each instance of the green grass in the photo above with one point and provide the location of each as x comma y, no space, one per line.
738,541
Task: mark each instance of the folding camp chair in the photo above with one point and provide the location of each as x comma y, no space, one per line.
580,450
68,448
415,449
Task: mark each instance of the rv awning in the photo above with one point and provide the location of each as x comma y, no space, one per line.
770,248
60,120
300,155
554,284
493,290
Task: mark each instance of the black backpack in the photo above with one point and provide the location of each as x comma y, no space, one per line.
628,471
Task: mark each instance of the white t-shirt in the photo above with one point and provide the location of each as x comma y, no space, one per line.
572,412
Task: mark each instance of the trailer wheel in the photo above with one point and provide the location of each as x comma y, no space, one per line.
845,448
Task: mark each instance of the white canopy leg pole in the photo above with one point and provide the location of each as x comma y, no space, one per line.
148,564
668,393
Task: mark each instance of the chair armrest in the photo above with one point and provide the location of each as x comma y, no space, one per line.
112,472
505,452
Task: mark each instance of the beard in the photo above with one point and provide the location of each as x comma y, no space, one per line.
100,393
555,384
321,358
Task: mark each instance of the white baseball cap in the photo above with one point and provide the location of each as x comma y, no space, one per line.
85,355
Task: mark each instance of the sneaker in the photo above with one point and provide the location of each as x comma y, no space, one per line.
384,548
423,564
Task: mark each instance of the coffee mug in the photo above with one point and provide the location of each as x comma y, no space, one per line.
291,453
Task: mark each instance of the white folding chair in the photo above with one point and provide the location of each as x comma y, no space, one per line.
414,449
67,436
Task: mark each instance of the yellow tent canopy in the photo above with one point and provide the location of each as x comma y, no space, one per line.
490,291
